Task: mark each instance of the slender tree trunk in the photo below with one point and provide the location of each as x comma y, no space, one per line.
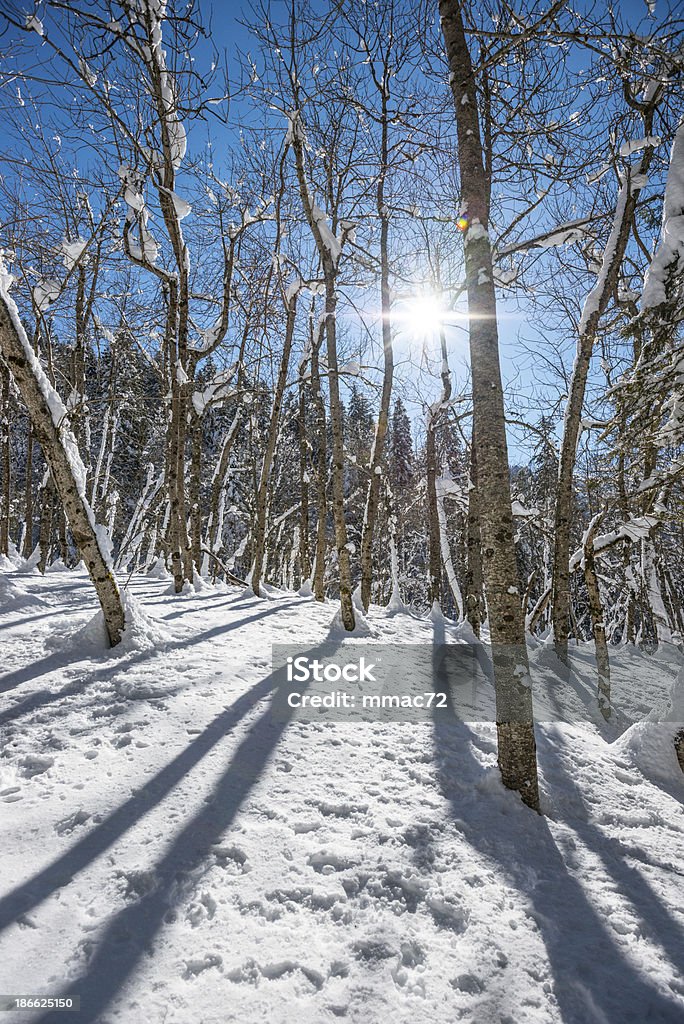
218,486
271,441
195,489
5,459
474,583
376,459
435,555
321,473
61,453
78,377
597,622
653,591
337,481
595,305
435,414
329,265
47,499
304,560
515,726
28,504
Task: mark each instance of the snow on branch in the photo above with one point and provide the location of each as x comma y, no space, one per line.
670,251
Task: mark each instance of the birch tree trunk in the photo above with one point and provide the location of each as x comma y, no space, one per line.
595,305
597,622
261,501
515,726
28,505
474,598
304,560
435,414
5,459
321,471
376,459
61,454
328,249
435,554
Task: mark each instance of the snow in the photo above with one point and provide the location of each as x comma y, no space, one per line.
172,851
45,292
636,145
329,240
72,252
476,231
34,24
564,237
181,206
670,250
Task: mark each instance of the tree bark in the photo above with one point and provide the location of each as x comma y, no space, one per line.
329,266
5,459
376,459
304,560
595,305
261,500
434,553
28,505
474,599
321,471
597,622
515,726
61,452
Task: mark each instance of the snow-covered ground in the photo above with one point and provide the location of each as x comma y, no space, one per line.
174,853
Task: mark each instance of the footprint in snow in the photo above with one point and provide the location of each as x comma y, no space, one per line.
67,825
35,764
197,966
11,794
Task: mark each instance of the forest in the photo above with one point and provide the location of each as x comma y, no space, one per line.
365,316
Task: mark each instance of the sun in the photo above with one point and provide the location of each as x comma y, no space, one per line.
423,314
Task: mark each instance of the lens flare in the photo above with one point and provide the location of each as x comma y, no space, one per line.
423,314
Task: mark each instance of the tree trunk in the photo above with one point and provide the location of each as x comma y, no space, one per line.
435,413
321,472
597,623
5,459
594,308
376,459
28,506
304,560
435,554
61,453
195,490
329,265
346,603
515,726
271,440
47,500
474,585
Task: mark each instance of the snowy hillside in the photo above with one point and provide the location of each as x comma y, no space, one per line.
172,853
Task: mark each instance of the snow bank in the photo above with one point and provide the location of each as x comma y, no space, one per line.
650,744
142,632
361,628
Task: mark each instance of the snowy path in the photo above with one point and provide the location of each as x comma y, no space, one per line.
173,854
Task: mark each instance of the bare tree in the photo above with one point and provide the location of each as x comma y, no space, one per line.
515,727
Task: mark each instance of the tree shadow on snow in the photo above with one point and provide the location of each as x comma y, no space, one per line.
593,979
130,933
63,659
